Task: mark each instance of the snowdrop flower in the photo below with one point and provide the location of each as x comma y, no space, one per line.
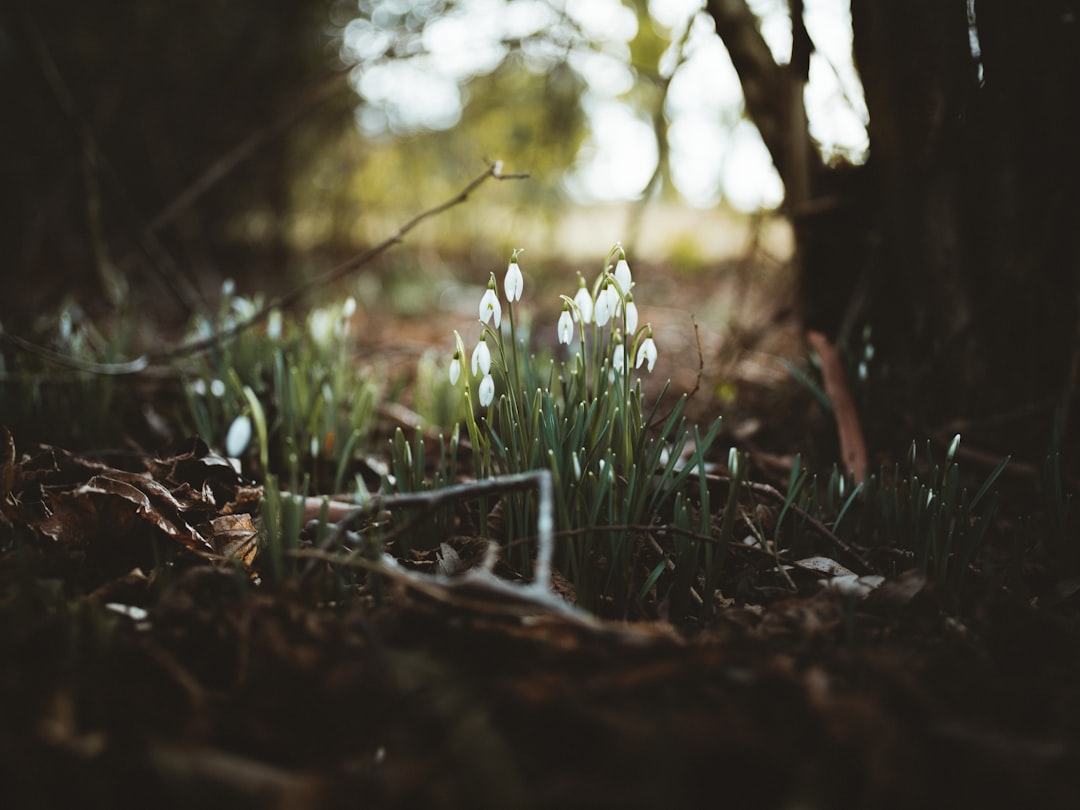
455,368
631,315
236,441
646,352
618,357
604,308
481,359
341,329
566,326
513,282
584,302
244,308
321,326
487,390
622,276
490,308
273,325
217,388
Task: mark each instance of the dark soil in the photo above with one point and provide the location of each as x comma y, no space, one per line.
227,693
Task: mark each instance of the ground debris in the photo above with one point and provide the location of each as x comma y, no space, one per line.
195,686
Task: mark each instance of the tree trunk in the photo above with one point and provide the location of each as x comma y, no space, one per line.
957,242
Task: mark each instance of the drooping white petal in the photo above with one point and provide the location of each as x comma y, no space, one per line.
622,276
603,310
490,308
618,357
513,283
566,327
646,354
487,390
239,435
481,359
321,326
584,304
631,317
274,324
455,369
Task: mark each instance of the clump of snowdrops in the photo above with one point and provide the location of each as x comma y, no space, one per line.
581,413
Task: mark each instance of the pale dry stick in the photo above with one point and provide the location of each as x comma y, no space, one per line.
143,362
470,591
545,520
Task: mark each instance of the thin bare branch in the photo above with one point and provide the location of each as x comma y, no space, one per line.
143,362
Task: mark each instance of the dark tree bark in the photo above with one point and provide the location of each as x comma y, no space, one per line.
957,241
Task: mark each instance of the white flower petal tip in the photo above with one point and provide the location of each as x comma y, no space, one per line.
584,303
618,358
566,327
490,308
622,276
604,309
631,317
481,359
646,354
514,282
487,390
238,437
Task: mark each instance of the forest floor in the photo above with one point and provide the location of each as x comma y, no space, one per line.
132,676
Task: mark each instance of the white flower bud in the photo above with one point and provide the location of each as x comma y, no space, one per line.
584,303
604,308
631,317
646,354
566,327
455,368
622,276
490,308
513,283
481,359
239,435
487,391
274,324
618,357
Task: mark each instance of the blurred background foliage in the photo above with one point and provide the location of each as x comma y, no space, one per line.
159,148
150,151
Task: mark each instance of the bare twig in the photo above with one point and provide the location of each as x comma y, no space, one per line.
494,170
545,520
144,361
